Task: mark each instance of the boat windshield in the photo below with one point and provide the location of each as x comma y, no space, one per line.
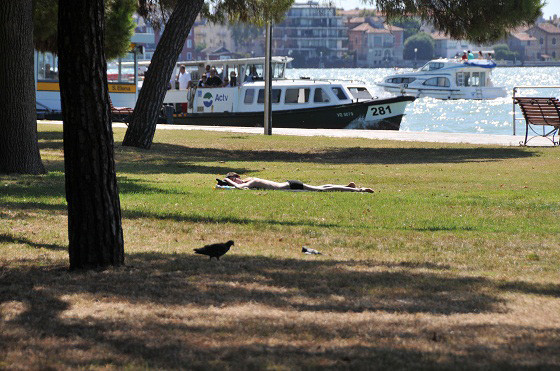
360,92
255,72
432,66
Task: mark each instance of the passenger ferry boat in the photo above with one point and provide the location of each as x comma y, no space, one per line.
447,79
296,103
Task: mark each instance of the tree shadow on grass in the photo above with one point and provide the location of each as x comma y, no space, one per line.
165,155
205,325
8,238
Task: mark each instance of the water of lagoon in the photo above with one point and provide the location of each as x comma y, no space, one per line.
455,116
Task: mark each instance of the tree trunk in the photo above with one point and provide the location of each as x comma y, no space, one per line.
94,212
142,127
19,150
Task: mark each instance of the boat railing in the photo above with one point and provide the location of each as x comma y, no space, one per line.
515,89
330,81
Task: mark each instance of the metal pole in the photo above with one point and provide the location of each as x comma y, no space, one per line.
268,81
514,120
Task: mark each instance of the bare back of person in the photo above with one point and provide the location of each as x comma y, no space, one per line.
235,180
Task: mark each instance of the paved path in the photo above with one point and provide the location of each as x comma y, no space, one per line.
489,139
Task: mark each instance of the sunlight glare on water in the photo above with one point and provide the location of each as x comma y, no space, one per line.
454,116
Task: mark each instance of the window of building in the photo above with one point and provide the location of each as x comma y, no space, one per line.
553,41
340,94
320,96
189,43
189,56
541,41
298,95
274,97
249,96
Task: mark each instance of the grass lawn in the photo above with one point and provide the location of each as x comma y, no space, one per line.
454,262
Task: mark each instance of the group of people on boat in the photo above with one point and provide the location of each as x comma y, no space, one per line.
209,79
468,55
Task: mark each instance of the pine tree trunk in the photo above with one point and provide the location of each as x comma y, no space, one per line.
19,150
142,127
94,213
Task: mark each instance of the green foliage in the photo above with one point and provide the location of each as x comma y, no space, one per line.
502,51
480,21
255,12
200,47
423,42
119,26
45,21
410,25
244,34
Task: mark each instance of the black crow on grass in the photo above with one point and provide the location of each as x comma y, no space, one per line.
215,250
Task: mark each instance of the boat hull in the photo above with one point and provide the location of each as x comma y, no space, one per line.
452,93
380,114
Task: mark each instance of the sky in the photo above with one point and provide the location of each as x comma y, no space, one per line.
552,7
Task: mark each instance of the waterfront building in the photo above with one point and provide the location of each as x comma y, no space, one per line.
525,45
311,33
374,43
213,35
445,47
548,39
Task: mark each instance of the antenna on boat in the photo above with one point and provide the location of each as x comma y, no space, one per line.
268,81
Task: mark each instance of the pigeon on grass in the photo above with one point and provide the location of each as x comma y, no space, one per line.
309,251
215,250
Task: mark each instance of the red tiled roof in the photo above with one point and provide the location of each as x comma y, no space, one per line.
549,28
363,27
522,36
357,20
392,28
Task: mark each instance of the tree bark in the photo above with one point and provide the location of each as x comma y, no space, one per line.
142,126
94,213
19,150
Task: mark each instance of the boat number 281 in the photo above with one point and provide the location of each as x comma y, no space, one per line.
380,110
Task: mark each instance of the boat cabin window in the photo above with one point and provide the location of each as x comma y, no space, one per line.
320,96
254,72
340,94
274,97
298,95
400,80
437,81
278,70
121,70
432,66
249,96
360,92
471,79
47,67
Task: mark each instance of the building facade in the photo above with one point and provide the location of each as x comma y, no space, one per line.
313,33
526,46
547,36
374,43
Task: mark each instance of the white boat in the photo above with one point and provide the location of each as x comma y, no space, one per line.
296,103
447,79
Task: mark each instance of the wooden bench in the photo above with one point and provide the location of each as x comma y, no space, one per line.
540,112
120,113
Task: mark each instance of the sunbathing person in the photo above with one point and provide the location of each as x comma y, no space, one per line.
233,179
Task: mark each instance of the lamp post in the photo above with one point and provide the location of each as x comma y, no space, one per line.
415,55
